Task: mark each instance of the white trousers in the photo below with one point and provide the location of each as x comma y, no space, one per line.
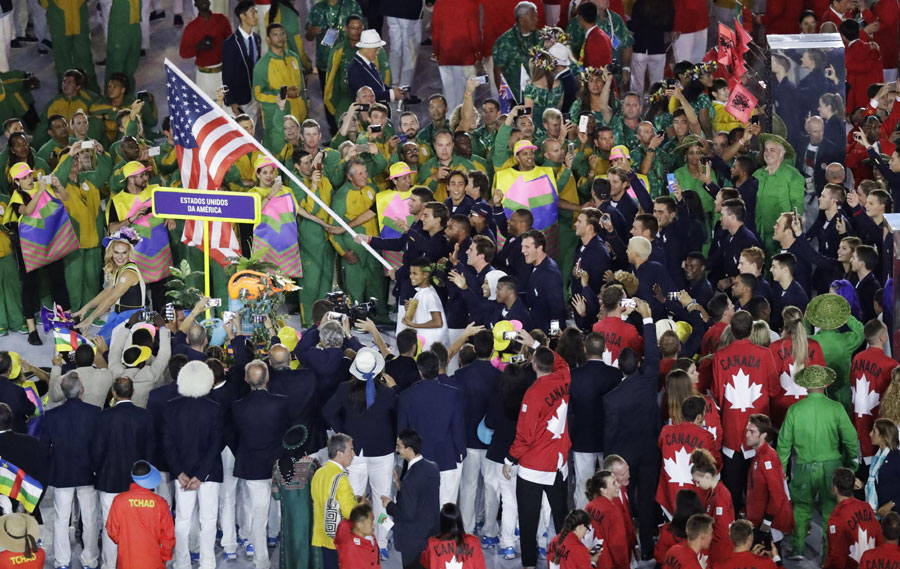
20,17
22,9
552,13
6,36
375,473
690,47
208,82
110,549
62,509
228,502
450,484
468,487
453,78
585,466
261,11
178,7
406,35
259,493
652,65
498,490
166,488
105,6
206,500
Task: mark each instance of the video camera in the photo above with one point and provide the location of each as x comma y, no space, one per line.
355,311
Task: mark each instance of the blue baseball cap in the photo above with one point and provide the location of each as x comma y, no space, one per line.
150,480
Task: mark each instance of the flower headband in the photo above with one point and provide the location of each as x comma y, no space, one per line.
589,72
540,59
126,234
553,34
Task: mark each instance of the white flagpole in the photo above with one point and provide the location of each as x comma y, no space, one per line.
281,166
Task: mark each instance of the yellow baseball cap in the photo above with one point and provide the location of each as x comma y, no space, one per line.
133,168
523,145
20,170
399,169
261,161
135,355
16,367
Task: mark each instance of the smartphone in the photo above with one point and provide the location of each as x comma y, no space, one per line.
153,151
258,318
660,133
796,215
227,317
517,359
48,179
339,316
670,83
512,335
554,326
754,119
572,147
628,303
597,547
142,95
376,128
170,311
360,148
87,144
402,138
673,295
670,182
583,123
277,180
282,94
148,316
483,79
363,107
213,302
525,111
567,118
224,88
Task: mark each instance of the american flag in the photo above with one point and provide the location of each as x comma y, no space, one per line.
207,144
505,96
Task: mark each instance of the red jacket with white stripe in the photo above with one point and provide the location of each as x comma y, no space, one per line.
852,524
744,378
542,432
677,442
767,491
870,375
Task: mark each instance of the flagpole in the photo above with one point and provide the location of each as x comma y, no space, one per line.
206,276
286,171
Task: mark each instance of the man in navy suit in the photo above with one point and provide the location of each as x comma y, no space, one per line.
633,439
156,404
416,511
403,368
124,436
592,256
299,386
509,259
544,293
590,383
240,52
13,395
71,471
506,305
193,441
260,420
362,71
435,410
478,382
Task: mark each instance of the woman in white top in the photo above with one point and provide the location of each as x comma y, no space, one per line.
424,311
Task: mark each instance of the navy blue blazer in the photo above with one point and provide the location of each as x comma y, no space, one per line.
260,421
124,436
299,386
487,312
510,259
544,296
18,402
29,454
404,371
570,85
417,509
70,448
193,438
361,74
180,346
590,384
373,429
157,401
723,263
595,260
478,382
436,411
237,68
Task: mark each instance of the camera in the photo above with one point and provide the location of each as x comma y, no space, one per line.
258,318
335,316
363,107
375,128
754,119
355,311
628,303
614,68
705,160
670,83
510,335
517,359
214,302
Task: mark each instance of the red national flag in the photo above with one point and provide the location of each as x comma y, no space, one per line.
743,40
741,103
726,44
207,144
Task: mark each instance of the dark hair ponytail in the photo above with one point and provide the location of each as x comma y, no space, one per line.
574,519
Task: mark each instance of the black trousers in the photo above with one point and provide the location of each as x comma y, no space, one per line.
329,558
529,496
644,467
56,272
734,476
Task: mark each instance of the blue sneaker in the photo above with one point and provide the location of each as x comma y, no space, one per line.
384,554
272,542
195,557
487,541
249,551
63,567
230,556
517,532
507,552
542,553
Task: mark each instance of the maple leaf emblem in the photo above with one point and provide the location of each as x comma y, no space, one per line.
864,400
557,423
453,564
742,394
607,359
704,560
791,389
712,431
679,470
863,543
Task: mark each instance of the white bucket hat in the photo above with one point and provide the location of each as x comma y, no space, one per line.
370,38
560,54
367,364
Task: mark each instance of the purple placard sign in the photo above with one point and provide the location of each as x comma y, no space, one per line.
176,203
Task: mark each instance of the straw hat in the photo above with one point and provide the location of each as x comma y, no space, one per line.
815,376
19,533
789,153
828,311
369,39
